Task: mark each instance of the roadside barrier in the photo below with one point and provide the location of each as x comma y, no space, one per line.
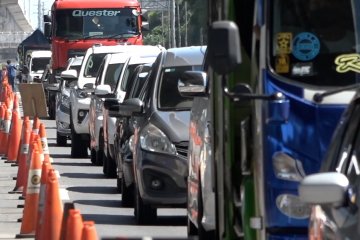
50,229
28,223
24,149
14,138
89,231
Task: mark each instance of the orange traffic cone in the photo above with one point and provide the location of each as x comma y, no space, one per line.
46,166
89,231
5,131
32,146
44,143
22,169
26,127
36,125
53,209
14,138
74,225
16,107
28,225
67,207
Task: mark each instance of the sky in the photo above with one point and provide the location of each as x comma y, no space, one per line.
32,8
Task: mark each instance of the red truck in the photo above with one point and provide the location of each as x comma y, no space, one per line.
76,25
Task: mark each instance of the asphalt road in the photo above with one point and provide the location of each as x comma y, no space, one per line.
94,195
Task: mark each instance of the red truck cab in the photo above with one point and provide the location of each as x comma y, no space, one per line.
76,25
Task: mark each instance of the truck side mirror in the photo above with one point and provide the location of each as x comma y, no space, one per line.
224,47
47,30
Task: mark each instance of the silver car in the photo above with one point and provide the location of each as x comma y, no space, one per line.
63,131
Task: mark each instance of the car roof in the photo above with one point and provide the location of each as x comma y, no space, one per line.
184,56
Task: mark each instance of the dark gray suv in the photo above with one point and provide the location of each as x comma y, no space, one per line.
161,133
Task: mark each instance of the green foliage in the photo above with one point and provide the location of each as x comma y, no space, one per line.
196,27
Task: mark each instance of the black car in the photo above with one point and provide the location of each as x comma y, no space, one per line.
334,191
161,133
124,130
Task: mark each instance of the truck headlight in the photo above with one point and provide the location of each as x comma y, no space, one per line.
154,140
291,206
287,168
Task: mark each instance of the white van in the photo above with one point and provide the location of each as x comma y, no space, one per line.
37,61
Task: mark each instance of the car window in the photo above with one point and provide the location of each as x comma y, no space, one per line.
339,150
101,73
112,74
139,81
127,76
169,96
93,64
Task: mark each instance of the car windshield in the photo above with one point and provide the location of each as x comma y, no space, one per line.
87,23
39,64
169,96
93,64
315,42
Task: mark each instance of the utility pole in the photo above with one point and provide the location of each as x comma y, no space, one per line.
39,14
173,39
178,24
186,25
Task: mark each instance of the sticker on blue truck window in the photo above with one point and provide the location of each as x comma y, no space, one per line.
306,46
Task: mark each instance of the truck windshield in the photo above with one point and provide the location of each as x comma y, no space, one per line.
315,42
39,64
102,23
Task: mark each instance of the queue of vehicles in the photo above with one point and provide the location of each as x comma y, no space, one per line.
259,119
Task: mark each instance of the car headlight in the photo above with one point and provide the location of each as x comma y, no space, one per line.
81,93
287,168
65,101
291,206
154,140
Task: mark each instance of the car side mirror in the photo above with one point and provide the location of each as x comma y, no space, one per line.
47,30
69,75
89,87
324,188
131,107
193,84
102,90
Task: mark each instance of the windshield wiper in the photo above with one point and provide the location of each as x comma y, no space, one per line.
318,97
121,35
93,36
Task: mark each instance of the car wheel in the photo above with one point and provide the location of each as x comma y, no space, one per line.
78,147
144,213
118,184
127,197
110,167
100,161
191,228
61,140
93,156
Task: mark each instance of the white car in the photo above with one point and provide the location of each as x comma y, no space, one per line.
146,54
62,116
80,97
108,75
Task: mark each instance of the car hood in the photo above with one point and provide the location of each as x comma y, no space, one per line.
175,125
